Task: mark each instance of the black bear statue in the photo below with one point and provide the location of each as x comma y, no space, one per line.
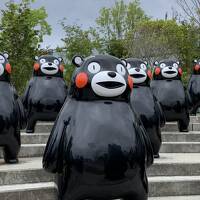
46,91
98,147
193,87
170,92
145,103
12,114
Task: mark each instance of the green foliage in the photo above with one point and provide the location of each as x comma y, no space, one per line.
115,23
21,31
78,42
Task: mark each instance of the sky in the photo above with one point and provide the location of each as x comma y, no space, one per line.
84,12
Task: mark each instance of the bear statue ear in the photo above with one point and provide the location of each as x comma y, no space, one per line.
145,62
77,61
124,62
155,63
178,62
6,55
60,59
36,58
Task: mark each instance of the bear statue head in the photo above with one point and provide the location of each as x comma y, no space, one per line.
139,71
100,77
5,67
48,65
167,69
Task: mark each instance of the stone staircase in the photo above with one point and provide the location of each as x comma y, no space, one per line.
176,175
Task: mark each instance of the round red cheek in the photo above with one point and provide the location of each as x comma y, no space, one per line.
196,67
157,71
62,68
180,71
81,80
130,82
149,74
8,68
36,66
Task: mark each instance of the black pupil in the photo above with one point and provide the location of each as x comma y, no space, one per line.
93,67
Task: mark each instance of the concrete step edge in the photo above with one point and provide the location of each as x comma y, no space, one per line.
22,187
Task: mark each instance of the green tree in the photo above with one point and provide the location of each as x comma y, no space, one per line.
115,23
78,42
21,31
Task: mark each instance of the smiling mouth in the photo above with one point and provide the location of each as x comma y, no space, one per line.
49,68
170,72
110,85
137,75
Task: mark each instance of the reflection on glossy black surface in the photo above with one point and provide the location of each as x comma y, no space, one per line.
145,104
171,95
12,115
194,87
97,147
45,93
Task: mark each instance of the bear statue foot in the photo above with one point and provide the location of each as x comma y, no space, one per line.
12,161
156,156
184,130
29,131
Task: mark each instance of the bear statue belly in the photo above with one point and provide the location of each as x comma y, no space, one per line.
8,121
171,95
102,151
45,99
46,95
144,104
194,91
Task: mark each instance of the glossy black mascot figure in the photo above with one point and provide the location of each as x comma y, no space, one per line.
144,102
12,114
97,145
46,91
168,89
194,87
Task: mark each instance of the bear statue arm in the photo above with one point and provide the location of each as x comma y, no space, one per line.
188,98
24,97
145,144
159,112
53,159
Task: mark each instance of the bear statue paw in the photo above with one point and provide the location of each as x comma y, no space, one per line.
12,161
156,156
29,131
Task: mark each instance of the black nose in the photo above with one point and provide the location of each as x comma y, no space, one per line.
112,74
137,69
170,67
50,64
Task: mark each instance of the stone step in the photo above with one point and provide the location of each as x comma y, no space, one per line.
36,138
43,127
192,136
180,147
195,197
34,191
176,164
158,187
174,185
29,170
195,119
29,150
37,150
172,126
